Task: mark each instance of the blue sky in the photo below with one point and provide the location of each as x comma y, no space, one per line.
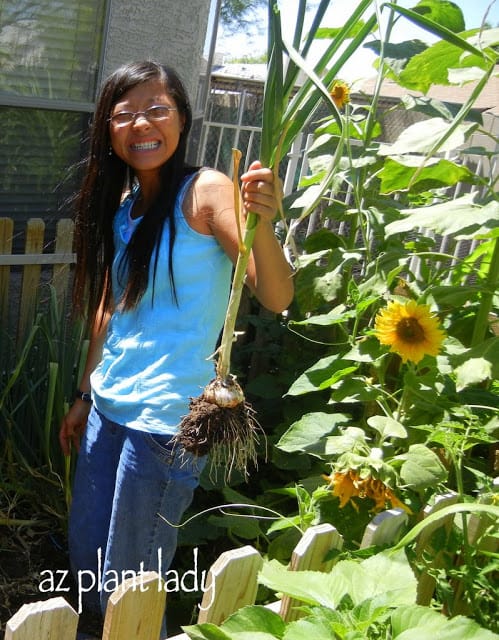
253,44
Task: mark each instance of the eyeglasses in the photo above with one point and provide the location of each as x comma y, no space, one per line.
153,114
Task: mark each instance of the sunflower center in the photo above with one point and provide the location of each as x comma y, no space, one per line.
409,330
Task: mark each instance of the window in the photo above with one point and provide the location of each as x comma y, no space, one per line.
50,48
49,60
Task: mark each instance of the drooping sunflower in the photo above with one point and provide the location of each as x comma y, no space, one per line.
349,484
340,93
409,329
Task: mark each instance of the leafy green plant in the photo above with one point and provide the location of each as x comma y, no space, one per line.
376,255
359,598
401,400
37,383
393,342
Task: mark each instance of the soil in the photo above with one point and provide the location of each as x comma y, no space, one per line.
32,557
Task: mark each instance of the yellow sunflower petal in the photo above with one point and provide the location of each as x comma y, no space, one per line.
344,487
396,502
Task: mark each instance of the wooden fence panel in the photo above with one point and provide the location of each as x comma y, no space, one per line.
52,619
426,582
35,232
63,248
226,577
385,528
19,295
310,555
6,235
135,610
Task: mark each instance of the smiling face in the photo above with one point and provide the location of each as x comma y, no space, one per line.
145,145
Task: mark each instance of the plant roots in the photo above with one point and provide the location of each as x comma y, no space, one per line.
228,434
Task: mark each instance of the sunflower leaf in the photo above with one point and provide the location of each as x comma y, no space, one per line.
461,215
387,427
398,175
478,364
421,467
420,137
309,433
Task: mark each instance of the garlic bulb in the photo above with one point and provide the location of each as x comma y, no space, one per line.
224,393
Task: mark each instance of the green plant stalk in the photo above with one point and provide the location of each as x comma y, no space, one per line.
15,522
380,77
227,340
482,317
52,383
401,410
67,475
271,128
359,184
457,461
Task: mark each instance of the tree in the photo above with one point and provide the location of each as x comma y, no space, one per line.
239,14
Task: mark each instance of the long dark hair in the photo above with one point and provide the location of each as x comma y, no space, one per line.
106,178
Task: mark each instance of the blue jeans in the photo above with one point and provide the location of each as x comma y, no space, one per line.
125,481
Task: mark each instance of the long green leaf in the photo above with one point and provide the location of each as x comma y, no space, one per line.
307,99
292,69
321,88
49,408
316,23
461,507
273,93
21,361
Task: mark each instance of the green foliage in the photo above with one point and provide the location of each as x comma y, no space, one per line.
357,599
445,13
37,382
416,426
239,14
366,224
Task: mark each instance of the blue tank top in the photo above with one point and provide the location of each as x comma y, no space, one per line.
157,356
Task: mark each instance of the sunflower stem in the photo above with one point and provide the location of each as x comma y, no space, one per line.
482,317
400,413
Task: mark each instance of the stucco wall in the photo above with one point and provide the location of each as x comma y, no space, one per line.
169,31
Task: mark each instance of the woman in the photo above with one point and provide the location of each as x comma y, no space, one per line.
156,242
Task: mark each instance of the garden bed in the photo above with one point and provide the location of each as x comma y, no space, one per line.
32,542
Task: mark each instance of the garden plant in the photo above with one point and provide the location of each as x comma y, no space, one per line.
395,320
379,387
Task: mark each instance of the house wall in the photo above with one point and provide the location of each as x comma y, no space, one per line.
169,31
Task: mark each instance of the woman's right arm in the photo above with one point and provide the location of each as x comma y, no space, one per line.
74,422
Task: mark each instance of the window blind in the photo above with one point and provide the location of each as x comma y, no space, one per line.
50,48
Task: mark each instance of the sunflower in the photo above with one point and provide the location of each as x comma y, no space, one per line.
340,93
409,329
349,484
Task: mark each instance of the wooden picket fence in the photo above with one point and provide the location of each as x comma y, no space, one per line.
135,613
19,295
